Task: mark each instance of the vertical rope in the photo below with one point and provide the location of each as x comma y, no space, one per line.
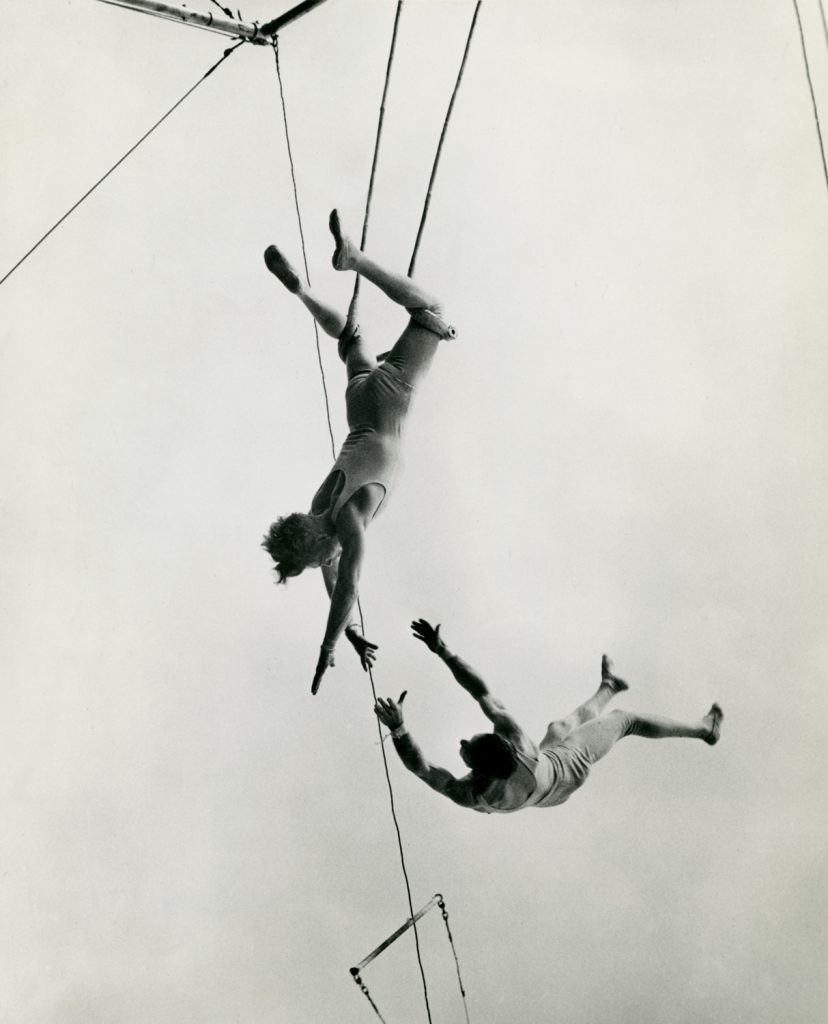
352,311
359,605
427,203
811,89
824,23
302,238
442,906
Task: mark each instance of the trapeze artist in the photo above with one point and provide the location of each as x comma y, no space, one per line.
377,398
509,771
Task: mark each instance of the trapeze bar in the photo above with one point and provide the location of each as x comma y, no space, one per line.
391,938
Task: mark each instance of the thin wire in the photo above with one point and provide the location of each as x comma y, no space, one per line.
811,88
362,618
302,237
102,179
352,312
427,203
367,994
397,828
444,909
824,23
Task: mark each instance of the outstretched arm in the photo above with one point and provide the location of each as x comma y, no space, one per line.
466,676
341,579
442,781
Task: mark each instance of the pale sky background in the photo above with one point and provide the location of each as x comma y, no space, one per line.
623,451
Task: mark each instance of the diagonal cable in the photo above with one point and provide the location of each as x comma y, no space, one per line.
811,89
129,152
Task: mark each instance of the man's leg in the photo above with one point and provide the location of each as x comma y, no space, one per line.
610,686
352,352
414,350
596,738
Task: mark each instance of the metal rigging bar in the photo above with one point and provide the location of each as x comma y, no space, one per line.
250,32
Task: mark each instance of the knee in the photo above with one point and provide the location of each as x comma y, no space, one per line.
625,721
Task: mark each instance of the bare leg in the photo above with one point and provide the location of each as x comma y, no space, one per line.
397,287
610,686
355,356
596,738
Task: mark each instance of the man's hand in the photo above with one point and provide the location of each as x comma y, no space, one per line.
430,635
389,712
364,648
326,661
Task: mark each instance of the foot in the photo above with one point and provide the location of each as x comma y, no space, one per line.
278,265
713,721
607,677
343,256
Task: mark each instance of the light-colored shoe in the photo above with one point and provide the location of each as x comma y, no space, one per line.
342,258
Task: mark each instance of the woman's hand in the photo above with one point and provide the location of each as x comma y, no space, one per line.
326,661
364,648
430,635
389,712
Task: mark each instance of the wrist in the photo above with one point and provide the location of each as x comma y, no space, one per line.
444,653
399,732
352,629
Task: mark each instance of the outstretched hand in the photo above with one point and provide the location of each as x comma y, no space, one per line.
326,661
389,711
364,648
430,635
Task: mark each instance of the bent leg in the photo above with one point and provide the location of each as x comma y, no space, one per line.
610,686
562,727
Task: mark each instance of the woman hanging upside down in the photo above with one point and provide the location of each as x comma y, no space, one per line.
507,770
378,396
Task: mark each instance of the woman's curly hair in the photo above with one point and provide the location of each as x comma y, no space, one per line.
292,542
491,755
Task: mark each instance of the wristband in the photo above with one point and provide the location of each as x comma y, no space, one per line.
399,731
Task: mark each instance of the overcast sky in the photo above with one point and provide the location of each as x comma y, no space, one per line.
624,451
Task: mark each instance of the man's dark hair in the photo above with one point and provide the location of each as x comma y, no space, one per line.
491,755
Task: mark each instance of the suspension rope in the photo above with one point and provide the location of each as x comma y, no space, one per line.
824,23
302,237
427,203
811,89
370,673
436,899
352,313
442,905
352,310
118,163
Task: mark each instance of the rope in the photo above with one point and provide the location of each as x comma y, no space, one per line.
102,179
362,625
302,237
351,320
427,203
441,903
824,23
364,989
811,89
352,310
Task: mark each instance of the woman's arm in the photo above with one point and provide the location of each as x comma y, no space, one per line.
341,580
